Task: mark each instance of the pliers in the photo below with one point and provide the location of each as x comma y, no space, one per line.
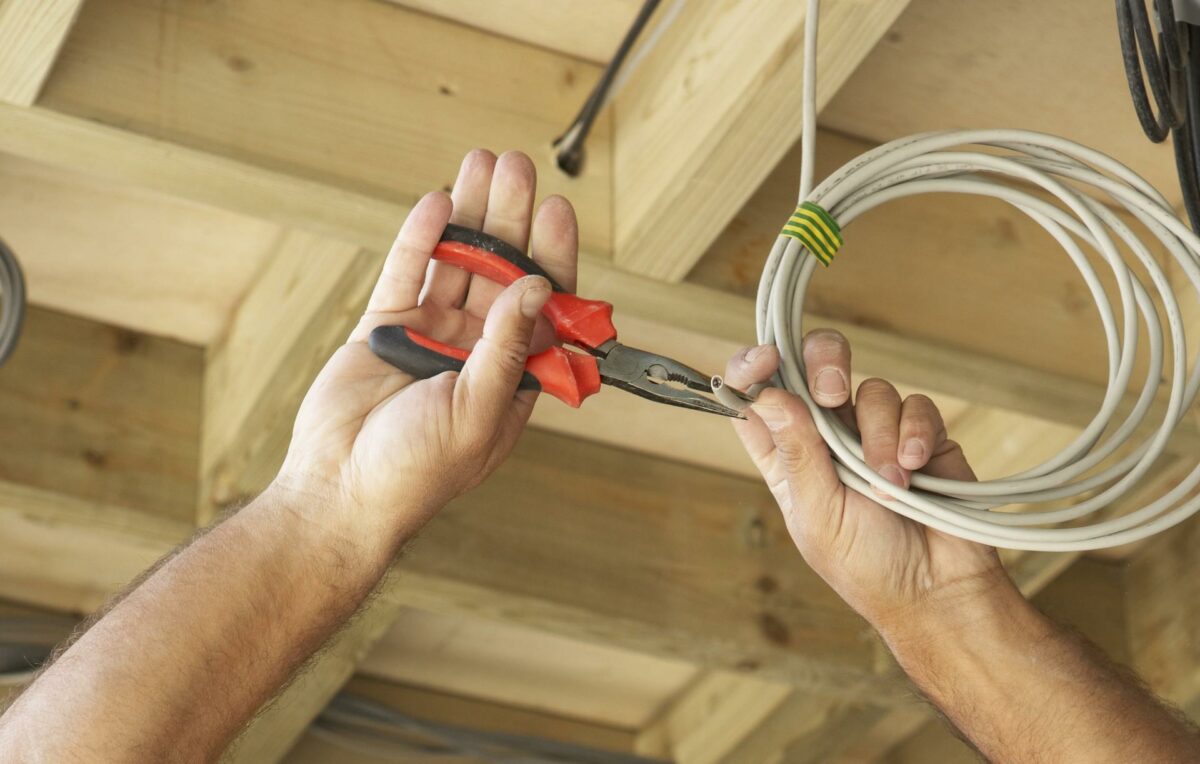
587,324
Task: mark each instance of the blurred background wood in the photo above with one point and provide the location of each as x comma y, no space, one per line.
201,193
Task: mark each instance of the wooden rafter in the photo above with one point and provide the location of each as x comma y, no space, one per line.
370,221
31,34
710,113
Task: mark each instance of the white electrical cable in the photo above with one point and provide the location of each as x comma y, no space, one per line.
1089,471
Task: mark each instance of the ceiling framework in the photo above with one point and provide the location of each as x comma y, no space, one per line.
202,192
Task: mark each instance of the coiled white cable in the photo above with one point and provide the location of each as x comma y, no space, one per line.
1093,471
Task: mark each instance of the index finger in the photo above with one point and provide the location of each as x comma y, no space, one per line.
399,285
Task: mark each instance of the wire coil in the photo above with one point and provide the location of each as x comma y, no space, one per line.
1103,463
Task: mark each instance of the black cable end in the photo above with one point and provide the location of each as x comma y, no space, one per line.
570,159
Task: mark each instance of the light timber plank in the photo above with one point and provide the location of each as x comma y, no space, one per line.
712,110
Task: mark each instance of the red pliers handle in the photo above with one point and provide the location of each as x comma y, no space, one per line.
569,376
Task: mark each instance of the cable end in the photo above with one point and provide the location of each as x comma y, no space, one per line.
728,396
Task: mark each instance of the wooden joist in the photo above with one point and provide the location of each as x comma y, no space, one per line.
711,111
448,709
128,256
701,313
300,307
31,34
101,415
588,30
1162,600
361,95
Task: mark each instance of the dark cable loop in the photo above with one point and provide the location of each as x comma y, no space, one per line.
1133,26
12,302
1170,69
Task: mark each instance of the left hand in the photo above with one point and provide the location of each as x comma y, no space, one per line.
394,450
890,569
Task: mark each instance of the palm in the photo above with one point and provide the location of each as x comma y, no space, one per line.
364,422
884,552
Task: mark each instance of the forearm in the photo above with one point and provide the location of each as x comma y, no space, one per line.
1023,689
182,662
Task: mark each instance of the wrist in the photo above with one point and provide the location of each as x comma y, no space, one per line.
322,513
960,613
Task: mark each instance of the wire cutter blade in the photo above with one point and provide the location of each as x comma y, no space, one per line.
658,378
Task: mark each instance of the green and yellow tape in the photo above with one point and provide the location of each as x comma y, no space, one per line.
816,230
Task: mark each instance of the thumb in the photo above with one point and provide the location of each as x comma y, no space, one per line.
492,372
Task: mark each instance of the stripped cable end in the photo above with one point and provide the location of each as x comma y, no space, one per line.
731,396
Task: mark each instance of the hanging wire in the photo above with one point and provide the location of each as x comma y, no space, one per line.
569,146
12,302
1171,70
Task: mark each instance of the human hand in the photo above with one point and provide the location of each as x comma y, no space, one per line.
391,450
883,564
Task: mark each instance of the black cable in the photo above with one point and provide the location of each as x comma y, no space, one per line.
570,145
1191,125
12,302
1172,70
1133,26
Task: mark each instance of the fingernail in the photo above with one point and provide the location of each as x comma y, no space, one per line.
754,353
892,474
535,297
772,416
830,383
913,449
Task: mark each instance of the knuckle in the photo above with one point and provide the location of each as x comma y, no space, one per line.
511,353
949,447
879,441
791,453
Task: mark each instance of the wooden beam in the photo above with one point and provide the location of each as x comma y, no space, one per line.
514,665
708,721
128,256
1162,598
947,64
278,338
31,34
370,221
364,95
588,30
460,711
102,415
71,554
98,454
711,111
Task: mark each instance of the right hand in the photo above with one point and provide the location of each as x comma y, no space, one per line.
883,564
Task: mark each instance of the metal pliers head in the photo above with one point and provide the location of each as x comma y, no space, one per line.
658,378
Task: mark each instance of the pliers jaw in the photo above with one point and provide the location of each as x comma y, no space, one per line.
658,378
